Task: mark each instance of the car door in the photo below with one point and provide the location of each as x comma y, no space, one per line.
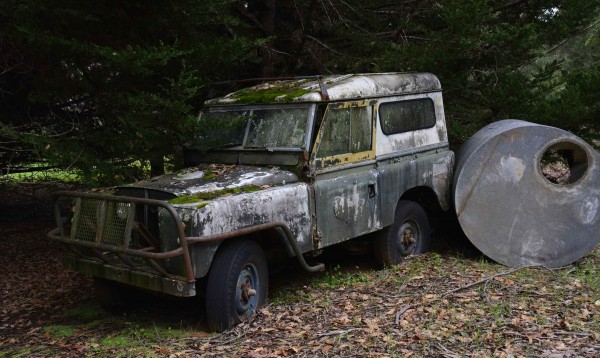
346,179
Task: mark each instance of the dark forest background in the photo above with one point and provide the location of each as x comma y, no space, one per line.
110,90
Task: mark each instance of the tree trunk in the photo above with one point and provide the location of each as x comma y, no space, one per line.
157,166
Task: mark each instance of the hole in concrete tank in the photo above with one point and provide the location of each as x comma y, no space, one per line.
564,163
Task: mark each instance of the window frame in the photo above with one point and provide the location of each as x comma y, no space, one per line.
419,99
345,158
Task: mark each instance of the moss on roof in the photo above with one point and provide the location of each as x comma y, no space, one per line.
285,93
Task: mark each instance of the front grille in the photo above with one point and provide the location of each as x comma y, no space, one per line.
85,221
115,228
106,222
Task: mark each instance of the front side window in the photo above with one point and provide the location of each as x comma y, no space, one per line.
406,116
253,128
345,130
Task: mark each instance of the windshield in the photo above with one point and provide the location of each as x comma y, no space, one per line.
254,128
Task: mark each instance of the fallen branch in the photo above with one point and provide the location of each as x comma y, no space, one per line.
482,281
578,334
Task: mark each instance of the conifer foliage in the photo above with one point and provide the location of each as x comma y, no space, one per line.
109,88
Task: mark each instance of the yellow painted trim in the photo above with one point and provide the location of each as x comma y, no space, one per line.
351,104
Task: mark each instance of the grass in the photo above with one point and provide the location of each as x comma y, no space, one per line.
42,176
100,333
59,331
337,277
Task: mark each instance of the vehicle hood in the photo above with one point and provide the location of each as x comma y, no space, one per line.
216,177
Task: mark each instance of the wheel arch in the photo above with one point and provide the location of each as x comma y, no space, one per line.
273,241
428,199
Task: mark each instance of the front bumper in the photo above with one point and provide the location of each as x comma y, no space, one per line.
131,277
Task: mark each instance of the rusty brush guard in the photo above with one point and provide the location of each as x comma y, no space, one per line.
101,233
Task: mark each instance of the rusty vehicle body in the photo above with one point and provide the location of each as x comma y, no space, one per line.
285,169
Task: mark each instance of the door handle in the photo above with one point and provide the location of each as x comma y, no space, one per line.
372,191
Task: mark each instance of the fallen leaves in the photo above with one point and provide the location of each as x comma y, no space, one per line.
492,314
431,305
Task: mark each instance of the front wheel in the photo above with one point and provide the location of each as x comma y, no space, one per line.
408,235
237,284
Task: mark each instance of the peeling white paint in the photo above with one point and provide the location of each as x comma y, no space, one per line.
234,176
351,208
288,204
190,176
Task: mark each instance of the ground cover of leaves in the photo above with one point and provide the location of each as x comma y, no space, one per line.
448,303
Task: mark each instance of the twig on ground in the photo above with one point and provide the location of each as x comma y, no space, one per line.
484,280
338,332
579,334
403,311
448,353
235,338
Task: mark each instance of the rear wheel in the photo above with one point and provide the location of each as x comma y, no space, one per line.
408,235
237,284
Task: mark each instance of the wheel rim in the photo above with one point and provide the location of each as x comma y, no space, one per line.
408,237
246,294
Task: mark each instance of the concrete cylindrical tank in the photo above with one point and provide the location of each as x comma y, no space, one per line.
527,194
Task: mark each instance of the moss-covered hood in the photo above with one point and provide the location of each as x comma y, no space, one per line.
218,178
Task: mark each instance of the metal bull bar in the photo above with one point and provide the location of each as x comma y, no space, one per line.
96,240
58,234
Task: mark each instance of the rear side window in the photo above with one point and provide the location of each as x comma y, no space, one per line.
405,116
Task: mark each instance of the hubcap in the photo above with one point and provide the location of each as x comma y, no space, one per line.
246,291
408,235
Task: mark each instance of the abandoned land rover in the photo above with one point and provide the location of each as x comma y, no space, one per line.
283,170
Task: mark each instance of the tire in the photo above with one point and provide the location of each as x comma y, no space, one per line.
408,235
237,284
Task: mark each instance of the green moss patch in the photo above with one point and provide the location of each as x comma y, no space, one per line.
208,175
201,205
194,198
286,93
59,331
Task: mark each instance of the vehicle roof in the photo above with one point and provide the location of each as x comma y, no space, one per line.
338,87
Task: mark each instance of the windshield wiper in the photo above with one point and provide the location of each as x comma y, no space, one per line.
224,146
258,147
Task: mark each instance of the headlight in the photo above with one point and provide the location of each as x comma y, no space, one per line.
122,210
